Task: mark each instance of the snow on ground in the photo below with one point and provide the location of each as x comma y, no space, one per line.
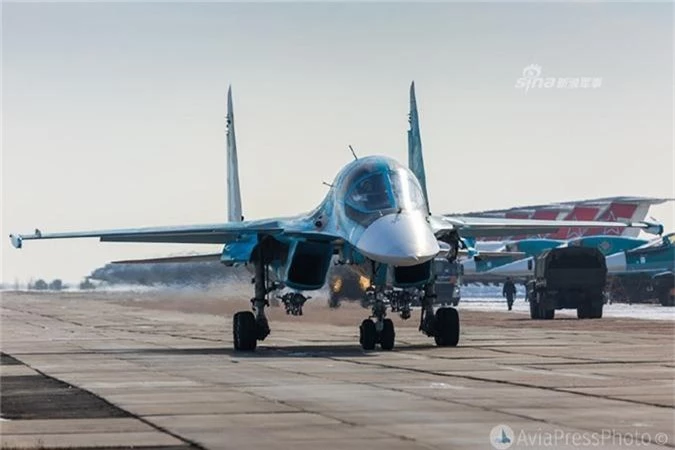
637,311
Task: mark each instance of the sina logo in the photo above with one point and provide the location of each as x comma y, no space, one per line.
501,437
532,71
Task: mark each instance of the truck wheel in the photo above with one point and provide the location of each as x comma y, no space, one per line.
667,299
547,314
534,310
596,311
583,311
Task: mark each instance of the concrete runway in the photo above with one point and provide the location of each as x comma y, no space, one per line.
144,370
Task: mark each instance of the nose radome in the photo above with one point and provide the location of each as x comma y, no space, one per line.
399,240
616,262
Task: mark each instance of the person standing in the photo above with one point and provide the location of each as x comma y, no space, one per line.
509,292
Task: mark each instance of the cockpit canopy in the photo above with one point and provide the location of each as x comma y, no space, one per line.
385,189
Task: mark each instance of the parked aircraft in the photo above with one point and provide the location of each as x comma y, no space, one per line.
375,214
516,259
655,262
612,209
492,254
611,246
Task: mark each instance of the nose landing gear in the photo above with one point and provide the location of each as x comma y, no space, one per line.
369,335
381,330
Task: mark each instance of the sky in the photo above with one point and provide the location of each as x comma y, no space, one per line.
113,113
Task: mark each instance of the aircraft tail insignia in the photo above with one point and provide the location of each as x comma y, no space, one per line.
234,213
415,158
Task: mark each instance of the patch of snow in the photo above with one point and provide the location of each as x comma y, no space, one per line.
637,311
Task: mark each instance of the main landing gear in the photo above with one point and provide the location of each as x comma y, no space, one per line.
443,325
249,327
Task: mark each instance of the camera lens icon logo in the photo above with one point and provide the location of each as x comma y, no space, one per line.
501,437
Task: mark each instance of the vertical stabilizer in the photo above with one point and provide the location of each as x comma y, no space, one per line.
233,194
415,158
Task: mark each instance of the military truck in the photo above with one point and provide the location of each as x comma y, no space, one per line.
568,278
664,285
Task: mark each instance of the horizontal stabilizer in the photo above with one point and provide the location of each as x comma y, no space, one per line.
504,254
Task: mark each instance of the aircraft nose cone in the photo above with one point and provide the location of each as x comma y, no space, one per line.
616,262
399,240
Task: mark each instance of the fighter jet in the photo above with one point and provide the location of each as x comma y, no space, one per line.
375,215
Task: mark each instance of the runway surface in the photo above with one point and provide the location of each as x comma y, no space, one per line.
156,370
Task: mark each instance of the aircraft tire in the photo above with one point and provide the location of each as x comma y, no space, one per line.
367,335
244,331
447,327
387,335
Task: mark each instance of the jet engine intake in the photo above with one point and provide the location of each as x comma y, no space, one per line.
308,265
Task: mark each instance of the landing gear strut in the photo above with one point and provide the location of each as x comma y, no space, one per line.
249,327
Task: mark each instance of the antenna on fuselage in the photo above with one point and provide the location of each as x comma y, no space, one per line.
353,152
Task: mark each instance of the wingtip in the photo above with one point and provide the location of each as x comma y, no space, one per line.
17,242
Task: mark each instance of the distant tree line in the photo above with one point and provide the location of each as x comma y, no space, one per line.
42,285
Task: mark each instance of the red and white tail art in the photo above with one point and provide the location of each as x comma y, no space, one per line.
579,212
618,212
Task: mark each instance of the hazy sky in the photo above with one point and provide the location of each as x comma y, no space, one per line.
113,114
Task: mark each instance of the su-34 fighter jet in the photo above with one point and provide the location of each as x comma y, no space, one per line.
375,216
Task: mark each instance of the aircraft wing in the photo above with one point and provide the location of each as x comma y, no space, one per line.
469,226
210,257
190,234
